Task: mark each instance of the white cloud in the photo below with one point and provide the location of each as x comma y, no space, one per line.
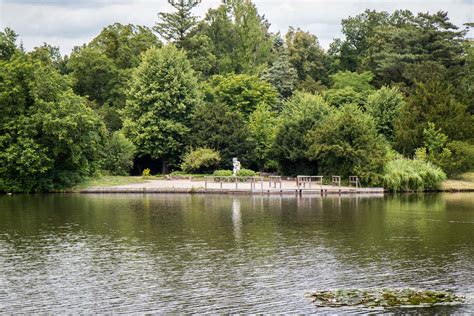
67,23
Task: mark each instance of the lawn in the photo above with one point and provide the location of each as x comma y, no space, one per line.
463,182
109,181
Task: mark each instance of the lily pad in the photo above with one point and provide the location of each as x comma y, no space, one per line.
384,298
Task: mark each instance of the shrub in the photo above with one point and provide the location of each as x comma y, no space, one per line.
402,174
453,157
246,173
119,152
146,173
462,157
222,173
347,143
201,160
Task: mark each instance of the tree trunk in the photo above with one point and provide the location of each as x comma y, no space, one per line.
164,167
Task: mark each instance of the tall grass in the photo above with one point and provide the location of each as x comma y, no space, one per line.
403,174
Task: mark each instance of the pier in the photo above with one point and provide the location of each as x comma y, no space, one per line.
240,185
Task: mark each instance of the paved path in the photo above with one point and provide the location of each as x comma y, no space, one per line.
199,186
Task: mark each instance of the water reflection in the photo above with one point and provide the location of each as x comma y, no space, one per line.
248,254
237,219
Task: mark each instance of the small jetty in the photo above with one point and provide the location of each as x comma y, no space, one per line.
300,185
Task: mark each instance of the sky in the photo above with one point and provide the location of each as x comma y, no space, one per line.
69,23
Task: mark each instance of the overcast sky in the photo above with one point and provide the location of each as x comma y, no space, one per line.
67,23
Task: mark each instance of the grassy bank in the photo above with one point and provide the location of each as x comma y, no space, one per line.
108,181
462,183
465,182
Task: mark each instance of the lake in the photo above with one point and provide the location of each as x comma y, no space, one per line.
72,253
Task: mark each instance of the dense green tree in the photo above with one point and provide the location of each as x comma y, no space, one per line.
418,39
95,75
49,138
239,36
241,93
466,78
51,54
385,105
349,53
349,87
299,115
263,127
360,82
124,44
432,101
7,43
163,93
282,76
118,155
102,68
453,157
347,143
308,58
339,97
217,126
174,27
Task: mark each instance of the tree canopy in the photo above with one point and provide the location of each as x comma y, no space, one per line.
395,91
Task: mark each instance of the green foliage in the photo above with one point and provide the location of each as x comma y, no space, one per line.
95,76
246,173
216,126
453,157
124,44
360,82
49,138
163,94
462,158
176,26
118,155
282,76
306,56
298,116
385,105
240,93
222,173
263,128
146,173
349,53
101,69
7,43
201,160
432,101
403,174
339,97
347,143
239,38
419,38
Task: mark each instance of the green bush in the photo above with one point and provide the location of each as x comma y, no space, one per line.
119,152
222,173
347,143
402,174
146,173
201,160
462,158
246,173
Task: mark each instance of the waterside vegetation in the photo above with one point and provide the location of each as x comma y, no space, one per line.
391,102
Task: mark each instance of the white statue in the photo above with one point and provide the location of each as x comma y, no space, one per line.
236,164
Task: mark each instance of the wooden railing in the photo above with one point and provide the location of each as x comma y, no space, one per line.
252,180
353,180
309,180
273,181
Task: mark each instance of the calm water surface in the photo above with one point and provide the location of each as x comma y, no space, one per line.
191,253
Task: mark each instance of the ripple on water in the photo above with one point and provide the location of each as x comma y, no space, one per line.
204,261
